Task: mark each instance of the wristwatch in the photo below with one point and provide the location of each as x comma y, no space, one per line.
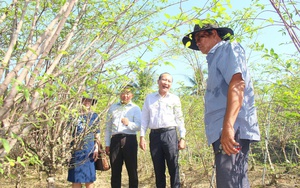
182,138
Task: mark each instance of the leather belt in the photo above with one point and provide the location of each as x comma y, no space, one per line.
122,135
161,130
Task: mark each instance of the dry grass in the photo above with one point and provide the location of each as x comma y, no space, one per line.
192,177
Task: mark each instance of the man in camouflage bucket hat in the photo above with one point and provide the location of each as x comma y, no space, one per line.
230,114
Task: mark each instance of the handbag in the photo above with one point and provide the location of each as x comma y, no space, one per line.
102,162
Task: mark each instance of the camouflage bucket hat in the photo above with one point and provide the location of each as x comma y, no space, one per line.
203,25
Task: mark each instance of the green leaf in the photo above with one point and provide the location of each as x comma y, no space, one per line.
271,20
26,94
5,144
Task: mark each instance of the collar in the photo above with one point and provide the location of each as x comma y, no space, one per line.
157,94
213,49
120,104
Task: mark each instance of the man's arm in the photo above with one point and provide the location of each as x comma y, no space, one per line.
234,103
108,130
180,122
144,125
135,124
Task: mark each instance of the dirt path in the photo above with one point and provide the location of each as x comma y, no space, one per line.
191,178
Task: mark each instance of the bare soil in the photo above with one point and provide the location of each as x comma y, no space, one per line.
190,178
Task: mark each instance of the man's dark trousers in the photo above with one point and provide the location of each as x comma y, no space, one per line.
164,149
231,171
123,148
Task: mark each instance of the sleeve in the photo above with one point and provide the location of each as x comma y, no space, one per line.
108,128
179,119
135,124
232,61
145,117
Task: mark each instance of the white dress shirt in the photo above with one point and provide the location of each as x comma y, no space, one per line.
114,116
162,112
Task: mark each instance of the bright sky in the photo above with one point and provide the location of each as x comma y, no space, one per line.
269,36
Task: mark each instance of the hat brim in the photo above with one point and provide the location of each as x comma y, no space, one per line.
190,42
93,101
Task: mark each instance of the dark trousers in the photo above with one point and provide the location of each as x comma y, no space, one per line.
231,171
123,148
164,149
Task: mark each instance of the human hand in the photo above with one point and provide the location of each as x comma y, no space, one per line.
142,143
107,150
125,121
227,141
181,144
95,154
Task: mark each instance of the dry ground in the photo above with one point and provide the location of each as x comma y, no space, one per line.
191,178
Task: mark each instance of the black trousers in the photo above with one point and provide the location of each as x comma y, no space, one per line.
164,149
123,148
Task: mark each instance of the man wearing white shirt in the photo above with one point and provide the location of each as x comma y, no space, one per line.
162,114
123,122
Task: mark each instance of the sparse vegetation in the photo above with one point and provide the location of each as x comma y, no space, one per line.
54,52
